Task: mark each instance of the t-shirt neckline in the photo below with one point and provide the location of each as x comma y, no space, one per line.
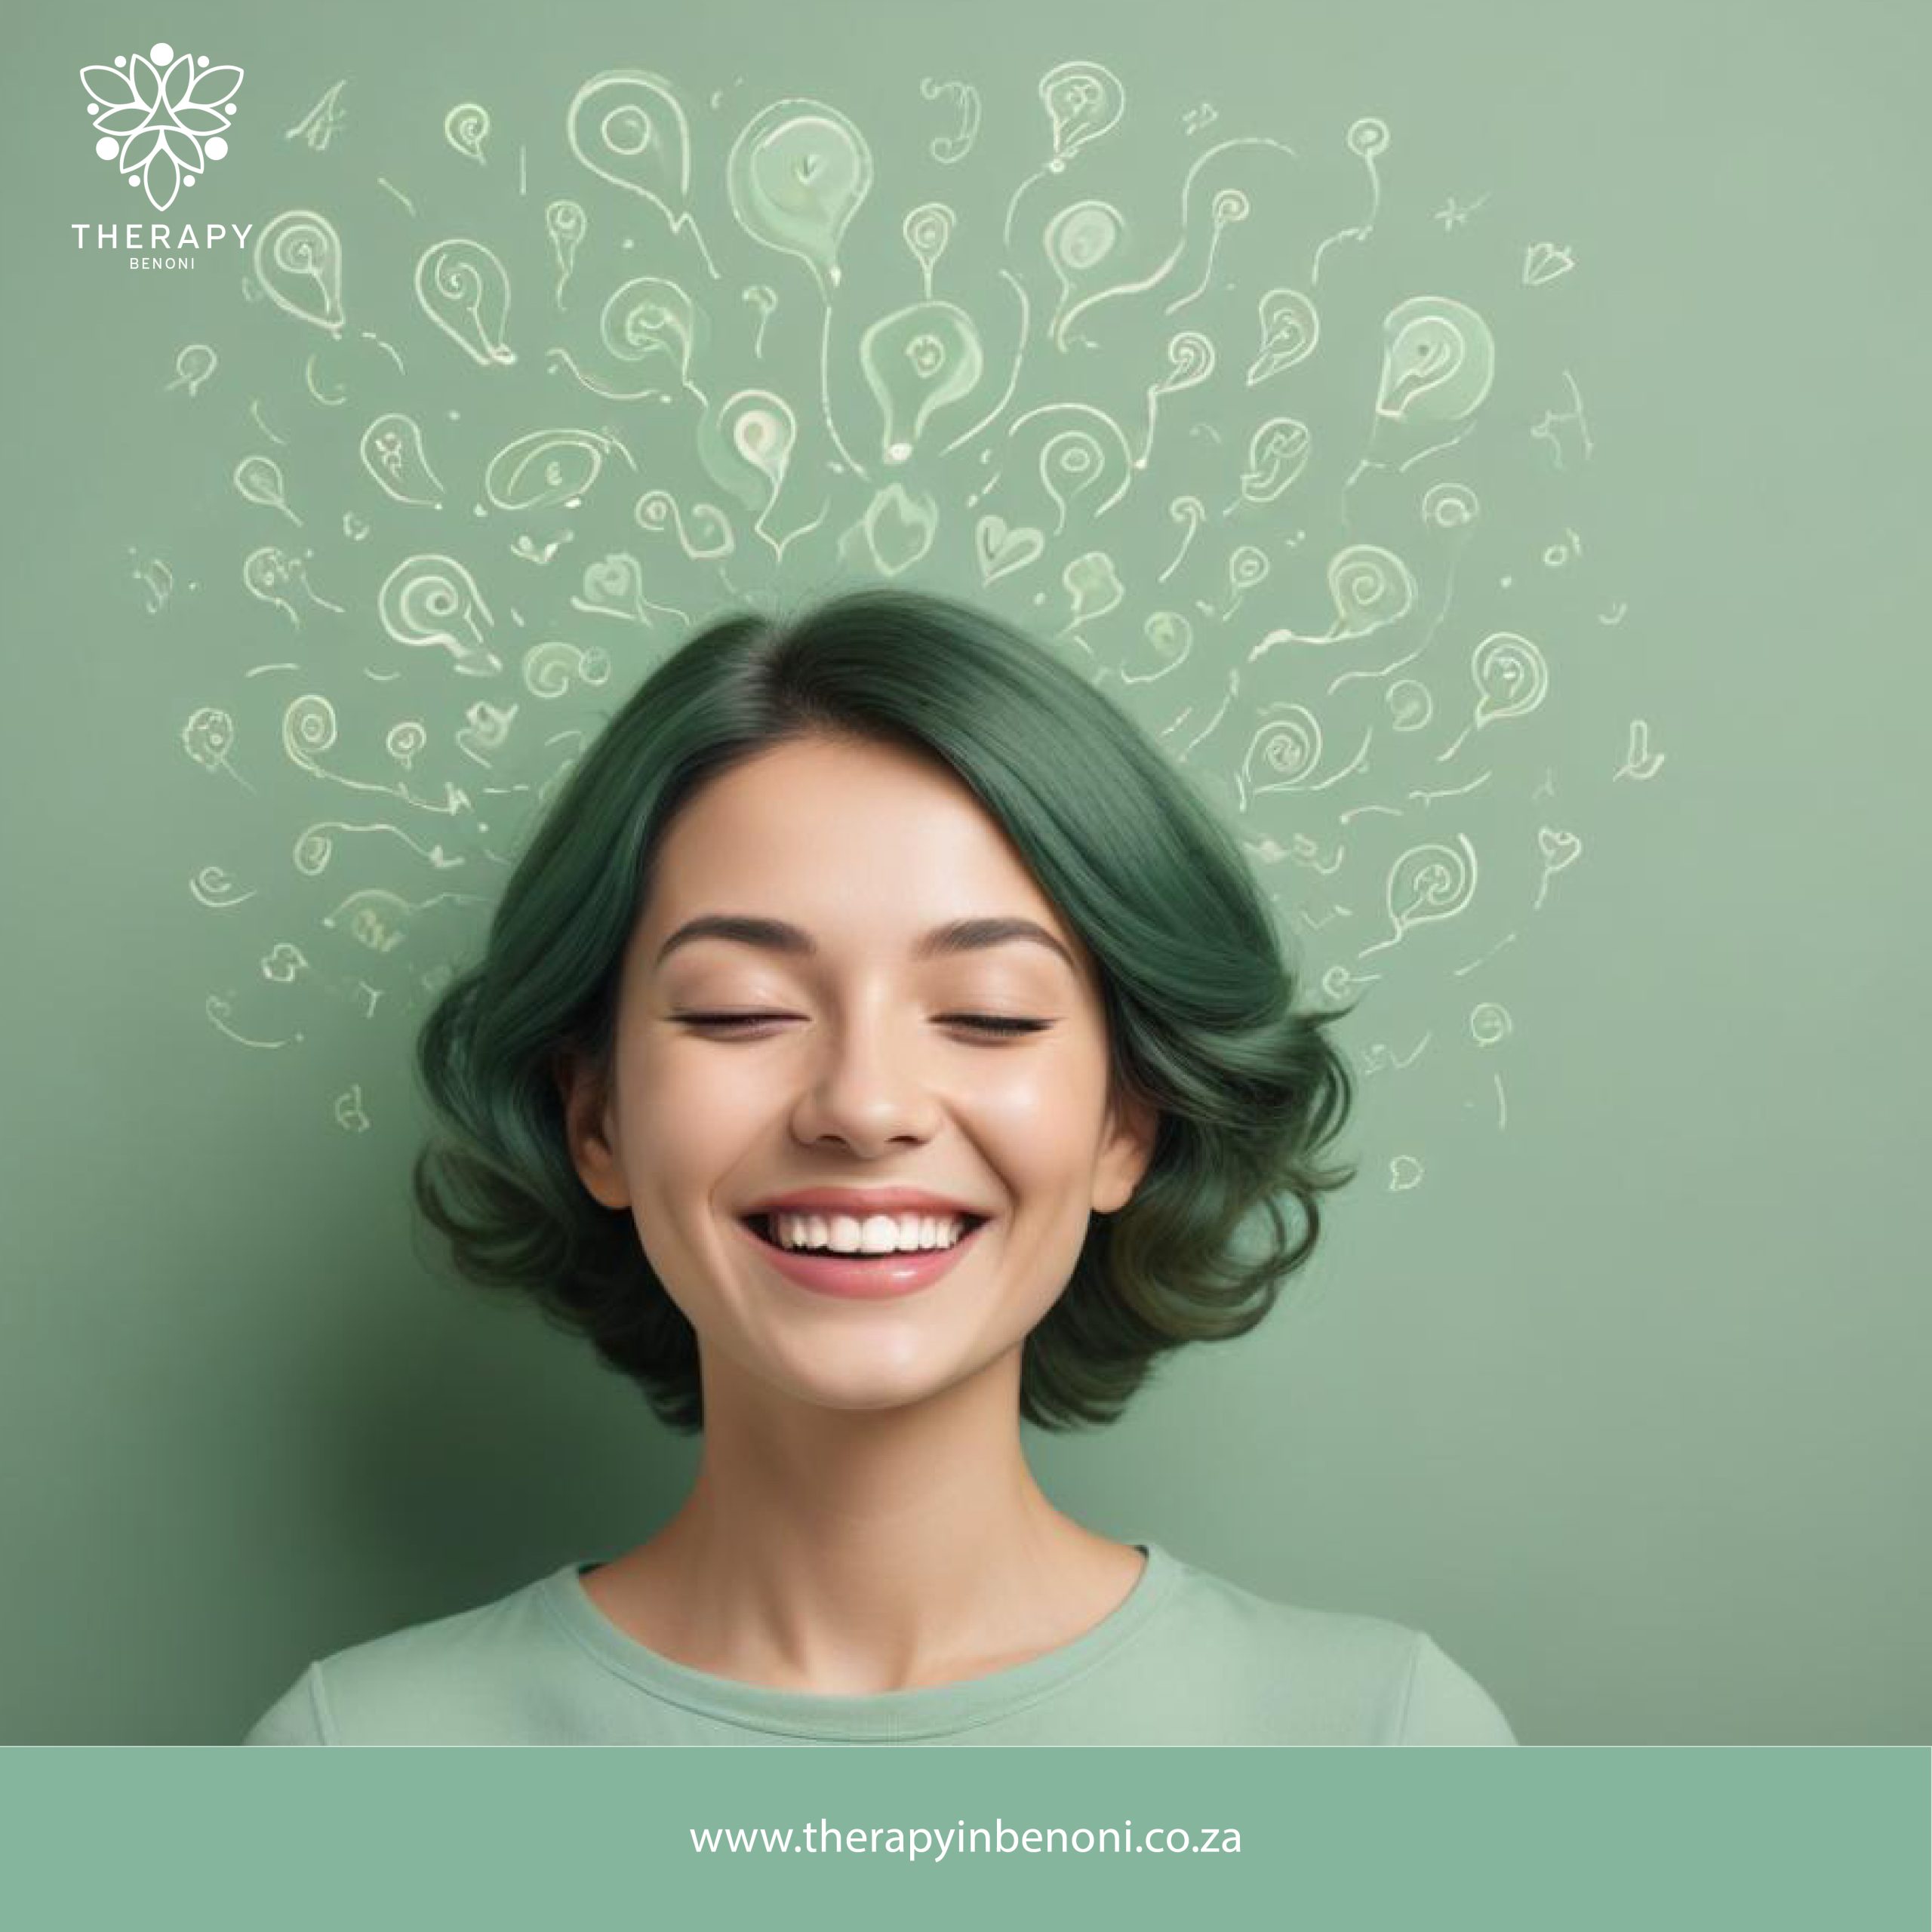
897,1715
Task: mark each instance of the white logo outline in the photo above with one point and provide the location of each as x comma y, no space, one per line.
144,104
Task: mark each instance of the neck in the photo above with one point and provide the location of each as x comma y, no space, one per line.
853,1551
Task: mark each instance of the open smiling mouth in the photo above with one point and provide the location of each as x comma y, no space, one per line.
761,1225
861,1277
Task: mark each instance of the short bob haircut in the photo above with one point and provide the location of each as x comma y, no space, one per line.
1199,1002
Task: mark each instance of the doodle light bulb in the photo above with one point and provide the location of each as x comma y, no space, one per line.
916,362
1438,360
796,176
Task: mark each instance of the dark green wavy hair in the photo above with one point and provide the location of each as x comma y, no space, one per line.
1200,1003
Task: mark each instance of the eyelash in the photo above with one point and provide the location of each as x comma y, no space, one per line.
998,1025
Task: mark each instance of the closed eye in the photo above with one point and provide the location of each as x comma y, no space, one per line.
731,1024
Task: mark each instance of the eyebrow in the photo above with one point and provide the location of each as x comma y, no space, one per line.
780,936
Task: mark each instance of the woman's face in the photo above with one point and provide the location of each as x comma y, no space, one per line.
858,1073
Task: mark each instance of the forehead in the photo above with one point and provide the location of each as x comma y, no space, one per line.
842,837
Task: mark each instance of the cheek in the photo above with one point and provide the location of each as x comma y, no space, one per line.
690,1107
1038,1135
1043,1115
690,1134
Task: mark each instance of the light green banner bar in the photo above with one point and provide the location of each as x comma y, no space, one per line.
1578,1839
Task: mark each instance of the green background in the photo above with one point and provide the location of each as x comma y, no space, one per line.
1611,1370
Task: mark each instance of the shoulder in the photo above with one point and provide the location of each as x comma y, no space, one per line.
1345,1676
433,1680
1445,1705
295,1718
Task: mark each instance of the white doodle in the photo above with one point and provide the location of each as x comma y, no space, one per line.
1426,884
1190,362
258,478
463,287
1367,138
319,126
298,266
1004,548
1640,762
1512,677
1370,587
1083,101
430,602
948,150
796,175
627,126
392,452
927,230
192,367
467,127
1290,328
566,223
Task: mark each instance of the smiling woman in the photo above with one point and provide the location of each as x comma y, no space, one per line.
879,1044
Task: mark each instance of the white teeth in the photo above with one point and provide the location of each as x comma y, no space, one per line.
877,1234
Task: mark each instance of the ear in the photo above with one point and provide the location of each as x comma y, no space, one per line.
590,1130
1134,1124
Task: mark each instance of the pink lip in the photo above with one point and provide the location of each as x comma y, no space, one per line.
874,1280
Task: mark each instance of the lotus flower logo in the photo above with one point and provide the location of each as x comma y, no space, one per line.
163,118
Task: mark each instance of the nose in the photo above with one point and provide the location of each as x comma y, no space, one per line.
865,1085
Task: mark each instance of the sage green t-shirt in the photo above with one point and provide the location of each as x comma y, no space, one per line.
1186,1658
